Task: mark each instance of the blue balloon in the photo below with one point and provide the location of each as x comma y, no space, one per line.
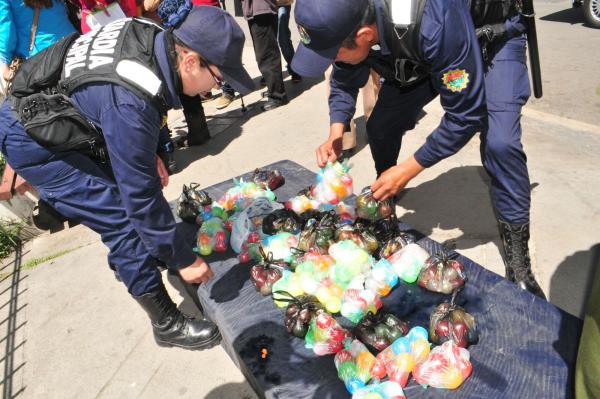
416,333
354,383
401,345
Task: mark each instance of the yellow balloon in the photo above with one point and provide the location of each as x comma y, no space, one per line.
405,362
420,350
450,378
336,290
334,305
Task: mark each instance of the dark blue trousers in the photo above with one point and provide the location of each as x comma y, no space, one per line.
502,155
84,191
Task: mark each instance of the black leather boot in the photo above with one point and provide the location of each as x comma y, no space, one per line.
517,262
196,120
173,328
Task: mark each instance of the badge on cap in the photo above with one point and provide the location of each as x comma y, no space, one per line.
304,37
456,80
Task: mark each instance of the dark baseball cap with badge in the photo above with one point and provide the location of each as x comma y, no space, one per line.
323,26
215,35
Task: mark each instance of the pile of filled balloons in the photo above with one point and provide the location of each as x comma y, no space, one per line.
317,257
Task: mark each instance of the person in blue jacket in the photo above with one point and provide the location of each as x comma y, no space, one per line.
123,200
16,19
421,52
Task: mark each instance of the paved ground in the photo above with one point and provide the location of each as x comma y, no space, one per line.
70,330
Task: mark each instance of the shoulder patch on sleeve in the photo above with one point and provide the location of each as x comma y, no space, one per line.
456,80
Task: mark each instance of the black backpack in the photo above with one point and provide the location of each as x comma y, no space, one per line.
46,113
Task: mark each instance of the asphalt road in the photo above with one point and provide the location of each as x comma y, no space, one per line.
570,63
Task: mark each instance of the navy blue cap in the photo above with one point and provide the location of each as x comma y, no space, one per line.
215,35
323,26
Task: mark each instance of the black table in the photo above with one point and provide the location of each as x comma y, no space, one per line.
527,346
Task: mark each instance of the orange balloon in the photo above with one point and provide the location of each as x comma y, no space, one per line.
365,360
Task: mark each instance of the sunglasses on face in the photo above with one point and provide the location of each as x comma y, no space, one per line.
219,81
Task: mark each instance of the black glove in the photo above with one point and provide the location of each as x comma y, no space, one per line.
488,33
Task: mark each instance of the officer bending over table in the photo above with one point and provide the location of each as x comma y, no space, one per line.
422,49
121,80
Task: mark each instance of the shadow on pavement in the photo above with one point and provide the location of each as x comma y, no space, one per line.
231,390
458,198
572,280
570,15
217,144
10,319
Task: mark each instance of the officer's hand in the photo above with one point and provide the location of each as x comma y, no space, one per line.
329,151
196,273
395,179
163,174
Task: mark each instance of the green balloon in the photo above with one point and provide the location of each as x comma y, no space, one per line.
347,370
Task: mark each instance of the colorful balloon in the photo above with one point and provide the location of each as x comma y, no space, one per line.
408,262
354,364
325,336
398,360
447,366
380,390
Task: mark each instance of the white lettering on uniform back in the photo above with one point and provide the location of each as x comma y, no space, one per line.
117,25
100,44
76,55
102,41
96,61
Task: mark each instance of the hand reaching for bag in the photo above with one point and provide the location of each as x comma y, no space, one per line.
395,179
196,273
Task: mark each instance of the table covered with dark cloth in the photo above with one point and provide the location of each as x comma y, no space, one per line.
527,346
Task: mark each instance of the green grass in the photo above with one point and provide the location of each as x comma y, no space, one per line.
30,264
9,236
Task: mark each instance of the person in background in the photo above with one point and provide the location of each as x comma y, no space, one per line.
284,36
171,13
262,21
228,94
19,38
370,92
129,7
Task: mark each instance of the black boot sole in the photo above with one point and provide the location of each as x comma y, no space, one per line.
212,342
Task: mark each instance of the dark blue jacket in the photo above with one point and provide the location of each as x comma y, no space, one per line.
131,128
450,48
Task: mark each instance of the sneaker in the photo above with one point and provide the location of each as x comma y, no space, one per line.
224,101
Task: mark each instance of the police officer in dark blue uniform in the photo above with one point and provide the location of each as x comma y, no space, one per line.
122,78
422,49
